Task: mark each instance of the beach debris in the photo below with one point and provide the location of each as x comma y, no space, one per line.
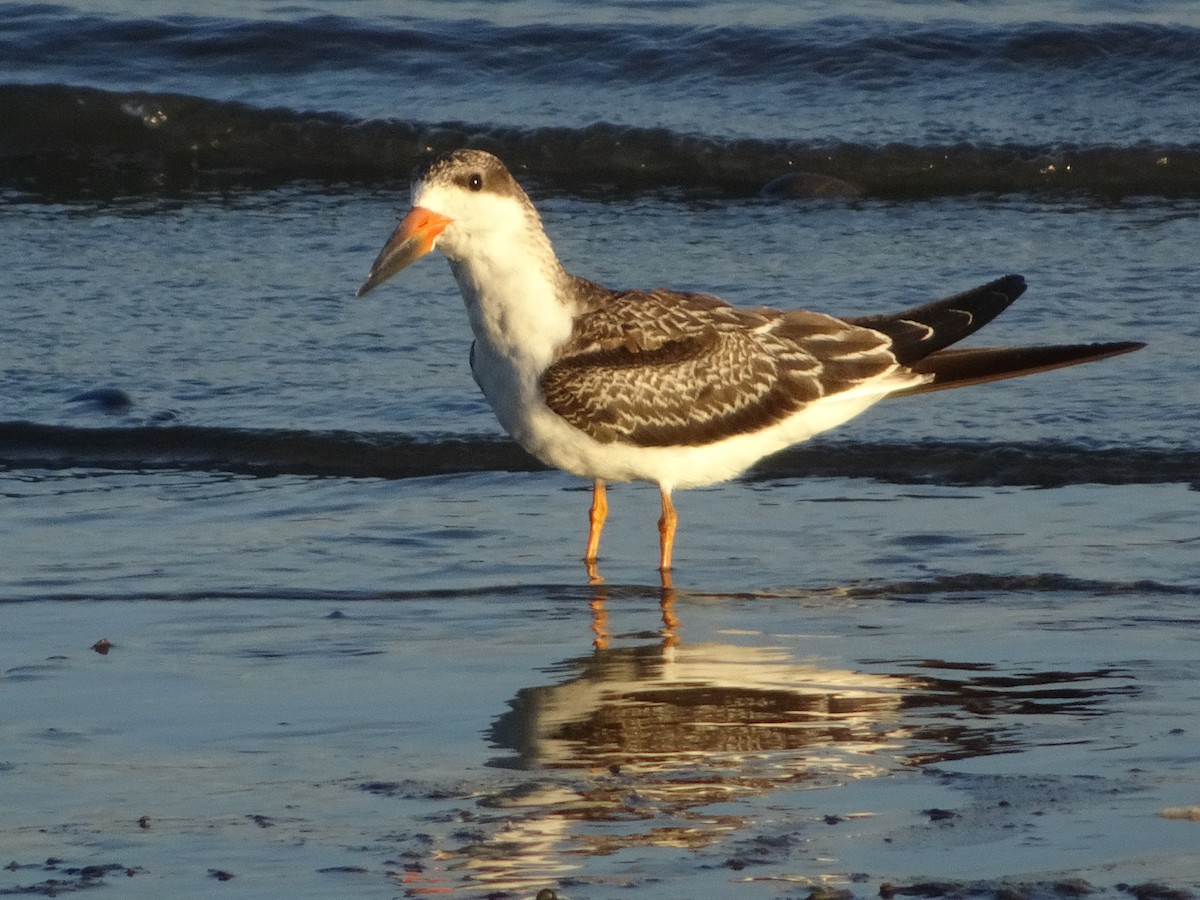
68,878
830,893
939,815
1190,813
990,890
1152,890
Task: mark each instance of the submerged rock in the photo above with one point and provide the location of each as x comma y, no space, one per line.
105,399
810,185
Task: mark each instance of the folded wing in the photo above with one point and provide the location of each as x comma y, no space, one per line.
657,368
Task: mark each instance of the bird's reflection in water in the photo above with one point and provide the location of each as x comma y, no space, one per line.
667,709
599,607
656,742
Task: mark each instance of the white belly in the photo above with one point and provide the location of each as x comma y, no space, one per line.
517,400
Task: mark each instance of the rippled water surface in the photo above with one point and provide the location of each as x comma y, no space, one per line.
374,686
348,645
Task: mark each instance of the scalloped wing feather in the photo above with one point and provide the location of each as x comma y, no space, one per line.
657,368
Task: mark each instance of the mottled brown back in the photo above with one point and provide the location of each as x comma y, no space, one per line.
657,368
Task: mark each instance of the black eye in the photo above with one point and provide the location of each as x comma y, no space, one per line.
475,182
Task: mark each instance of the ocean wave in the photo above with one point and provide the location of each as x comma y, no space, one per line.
967,584
1037,583
58,139
26,445
857,49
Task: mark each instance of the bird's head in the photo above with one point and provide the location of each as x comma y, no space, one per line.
461,198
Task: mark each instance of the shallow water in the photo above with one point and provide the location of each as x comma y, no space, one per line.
353,651
95,535
311,740
236,311
371,686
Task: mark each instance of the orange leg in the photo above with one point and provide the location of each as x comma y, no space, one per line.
666,530
596,517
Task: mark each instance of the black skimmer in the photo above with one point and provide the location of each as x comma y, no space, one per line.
678,389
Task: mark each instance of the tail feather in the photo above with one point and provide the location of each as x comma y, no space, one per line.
923,330
958,368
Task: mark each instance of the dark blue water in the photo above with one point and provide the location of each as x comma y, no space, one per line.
354,650
1102,104
188,201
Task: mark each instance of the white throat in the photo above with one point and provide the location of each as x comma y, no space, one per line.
506,269
514,290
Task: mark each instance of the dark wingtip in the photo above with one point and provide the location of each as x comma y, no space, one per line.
1013,286
1119,347
933,326
958,368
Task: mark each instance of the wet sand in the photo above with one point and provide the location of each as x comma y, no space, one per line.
1012,734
